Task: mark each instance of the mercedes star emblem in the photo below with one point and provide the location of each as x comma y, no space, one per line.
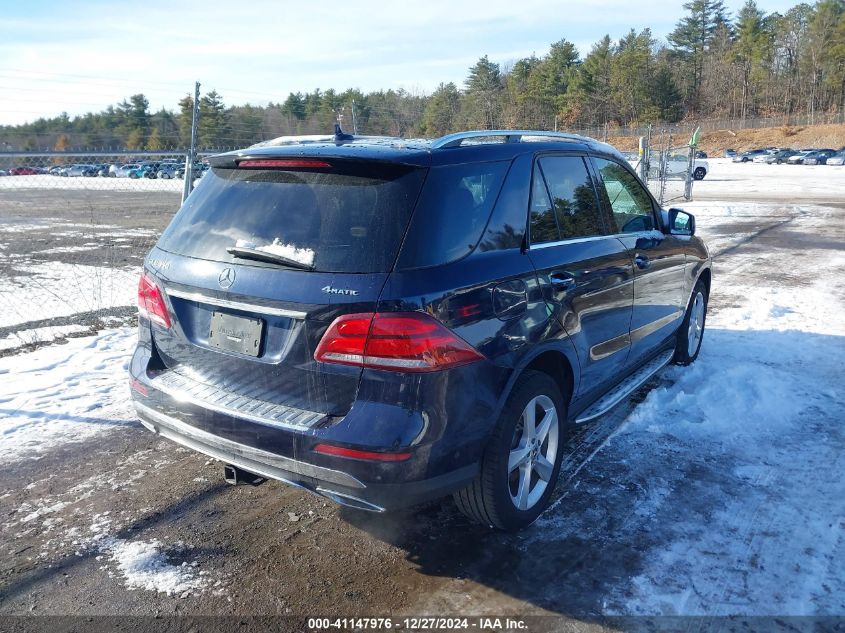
226,278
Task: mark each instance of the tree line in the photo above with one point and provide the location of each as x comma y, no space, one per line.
712,65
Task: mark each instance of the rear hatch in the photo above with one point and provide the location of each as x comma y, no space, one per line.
261,258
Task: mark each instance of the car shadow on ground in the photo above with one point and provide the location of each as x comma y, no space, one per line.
45,570
620,508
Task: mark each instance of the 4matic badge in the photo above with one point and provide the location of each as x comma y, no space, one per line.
339,291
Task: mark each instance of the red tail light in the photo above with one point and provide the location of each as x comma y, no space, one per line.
151,303
402,341
284,163
354,453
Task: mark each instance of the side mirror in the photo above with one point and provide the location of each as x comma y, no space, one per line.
681,222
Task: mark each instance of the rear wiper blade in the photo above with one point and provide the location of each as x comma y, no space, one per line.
264,256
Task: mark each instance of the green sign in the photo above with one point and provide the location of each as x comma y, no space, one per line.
696,136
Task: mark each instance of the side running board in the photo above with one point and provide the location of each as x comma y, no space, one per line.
625,388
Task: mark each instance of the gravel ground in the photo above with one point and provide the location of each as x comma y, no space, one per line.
69,516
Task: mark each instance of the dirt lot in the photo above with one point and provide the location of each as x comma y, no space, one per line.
639,502
715,143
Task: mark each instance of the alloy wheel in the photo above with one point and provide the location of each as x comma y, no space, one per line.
696,325
533,452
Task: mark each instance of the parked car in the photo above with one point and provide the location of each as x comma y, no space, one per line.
166,171
779,157
54,171
798,158
198,170
133,170
819,157
77,170
700,154
3,172
748,156
730,153
837,159
150,168
25,171
385,322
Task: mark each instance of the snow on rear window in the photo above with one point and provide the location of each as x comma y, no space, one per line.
350,219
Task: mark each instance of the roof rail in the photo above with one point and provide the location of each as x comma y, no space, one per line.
511,136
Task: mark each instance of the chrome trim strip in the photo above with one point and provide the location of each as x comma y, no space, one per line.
574,240
653,326
235,305
251,459
341,498
183,395
610,347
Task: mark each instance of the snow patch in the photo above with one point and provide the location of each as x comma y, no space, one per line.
64,393
290,251
147,565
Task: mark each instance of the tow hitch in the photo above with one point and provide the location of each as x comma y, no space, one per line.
237,477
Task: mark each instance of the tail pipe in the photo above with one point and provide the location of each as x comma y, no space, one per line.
238,477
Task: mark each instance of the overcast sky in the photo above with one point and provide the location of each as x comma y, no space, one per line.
80,56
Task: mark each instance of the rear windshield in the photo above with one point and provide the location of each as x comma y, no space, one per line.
349,219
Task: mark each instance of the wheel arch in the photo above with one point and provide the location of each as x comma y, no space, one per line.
706,277
558,360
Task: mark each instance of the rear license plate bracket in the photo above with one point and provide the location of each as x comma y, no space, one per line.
233,333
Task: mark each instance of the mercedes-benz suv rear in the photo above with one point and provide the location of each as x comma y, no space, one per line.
383,322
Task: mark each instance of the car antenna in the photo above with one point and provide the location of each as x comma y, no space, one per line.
340,135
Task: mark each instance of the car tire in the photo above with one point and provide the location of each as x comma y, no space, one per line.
699,173
514,458
691,333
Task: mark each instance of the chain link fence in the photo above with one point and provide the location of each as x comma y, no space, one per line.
75,227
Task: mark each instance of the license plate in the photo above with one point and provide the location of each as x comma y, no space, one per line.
235,333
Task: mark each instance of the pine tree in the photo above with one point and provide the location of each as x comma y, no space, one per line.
691,39
752,41
154,141
212,128
135,139
185,119
441,110
482,100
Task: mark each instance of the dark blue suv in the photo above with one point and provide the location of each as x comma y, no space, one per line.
385,321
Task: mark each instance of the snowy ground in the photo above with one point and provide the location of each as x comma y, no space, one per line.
716,490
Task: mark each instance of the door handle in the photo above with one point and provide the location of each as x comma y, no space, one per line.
562,281
642,261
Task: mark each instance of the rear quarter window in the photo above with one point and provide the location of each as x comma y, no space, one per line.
452,213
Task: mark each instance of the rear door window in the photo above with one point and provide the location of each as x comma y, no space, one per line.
542,214
452,212
574,200
348,218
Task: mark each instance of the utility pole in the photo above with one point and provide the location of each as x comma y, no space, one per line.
354,120
192,151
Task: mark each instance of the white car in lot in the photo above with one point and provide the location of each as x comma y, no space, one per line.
837,159
676,166
798,157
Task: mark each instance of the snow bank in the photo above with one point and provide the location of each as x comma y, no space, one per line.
64,393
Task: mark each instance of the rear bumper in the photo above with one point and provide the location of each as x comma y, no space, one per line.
337,485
